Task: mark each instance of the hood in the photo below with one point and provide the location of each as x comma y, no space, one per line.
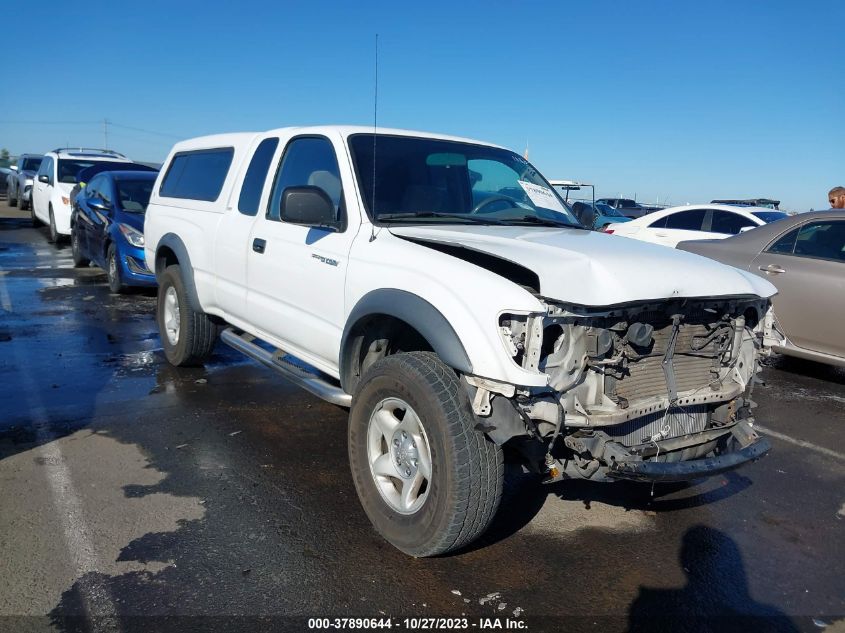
595,269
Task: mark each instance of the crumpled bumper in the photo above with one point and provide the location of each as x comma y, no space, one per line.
652,471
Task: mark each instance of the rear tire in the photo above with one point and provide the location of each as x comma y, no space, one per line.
35,221
188,336
461,480
116,284
78,260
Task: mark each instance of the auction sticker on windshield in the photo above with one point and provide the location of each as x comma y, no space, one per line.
541,196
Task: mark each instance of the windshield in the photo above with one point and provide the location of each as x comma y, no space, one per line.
69,169
431,180
30,164
607,210
770,216
134,195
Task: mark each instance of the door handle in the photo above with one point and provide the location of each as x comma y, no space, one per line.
258,245
661,234
772,269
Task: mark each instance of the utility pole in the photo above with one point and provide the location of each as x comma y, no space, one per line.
105,133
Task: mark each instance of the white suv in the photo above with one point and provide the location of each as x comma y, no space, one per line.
54,181
440,289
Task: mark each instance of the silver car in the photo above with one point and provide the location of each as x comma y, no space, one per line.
804,257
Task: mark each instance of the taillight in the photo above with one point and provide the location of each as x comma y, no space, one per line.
609,231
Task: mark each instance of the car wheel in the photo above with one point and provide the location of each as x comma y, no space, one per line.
429,482
35,221
23,205
187,335
54,233
78,260
116,284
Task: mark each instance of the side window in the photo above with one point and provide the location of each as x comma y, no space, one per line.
46,168
785,245
659,224
197,175
823,240
691,220
730,223
308,161
255,175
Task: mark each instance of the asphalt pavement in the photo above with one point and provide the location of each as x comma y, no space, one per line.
136,496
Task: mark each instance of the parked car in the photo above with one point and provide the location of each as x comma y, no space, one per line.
5,174
85,175
697,221
428,288
20,181
629,208
804,257
107,227
54,181
766,203
604,215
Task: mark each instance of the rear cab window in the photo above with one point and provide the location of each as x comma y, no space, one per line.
197,174
256,174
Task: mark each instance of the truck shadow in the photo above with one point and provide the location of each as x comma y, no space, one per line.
524,496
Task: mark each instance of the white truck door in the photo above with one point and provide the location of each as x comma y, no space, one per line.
296,274
232,243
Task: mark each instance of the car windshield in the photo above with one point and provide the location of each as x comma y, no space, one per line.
770,216
437,181
30,164
607,210
134,194
69,169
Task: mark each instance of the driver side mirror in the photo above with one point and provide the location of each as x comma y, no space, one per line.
746,228
44,178
308,206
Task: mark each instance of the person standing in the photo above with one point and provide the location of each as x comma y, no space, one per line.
836,197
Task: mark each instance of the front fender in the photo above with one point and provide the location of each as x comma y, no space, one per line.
416,312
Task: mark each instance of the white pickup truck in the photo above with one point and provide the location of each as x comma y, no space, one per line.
440,289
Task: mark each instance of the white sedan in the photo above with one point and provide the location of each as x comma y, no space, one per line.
695,222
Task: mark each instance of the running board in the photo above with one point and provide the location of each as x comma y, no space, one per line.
305,379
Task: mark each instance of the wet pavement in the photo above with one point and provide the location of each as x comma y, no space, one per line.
135,496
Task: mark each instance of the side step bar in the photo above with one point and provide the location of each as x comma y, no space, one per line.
305,379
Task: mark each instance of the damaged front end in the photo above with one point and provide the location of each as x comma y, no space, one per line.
651,391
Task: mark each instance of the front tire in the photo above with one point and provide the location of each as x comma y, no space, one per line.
187,335
54,232
79,261
429,482
116,284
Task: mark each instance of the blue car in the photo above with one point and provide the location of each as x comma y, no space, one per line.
107,227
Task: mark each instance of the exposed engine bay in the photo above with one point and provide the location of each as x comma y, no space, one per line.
629,386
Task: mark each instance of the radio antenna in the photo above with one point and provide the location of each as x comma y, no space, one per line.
375,129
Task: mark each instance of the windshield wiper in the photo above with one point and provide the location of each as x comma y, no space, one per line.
436,214
533,219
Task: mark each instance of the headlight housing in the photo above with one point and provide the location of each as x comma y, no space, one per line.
133,236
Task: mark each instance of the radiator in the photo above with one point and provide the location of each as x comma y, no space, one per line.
672,423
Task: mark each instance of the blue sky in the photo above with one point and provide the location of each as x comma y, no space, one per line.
675,101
